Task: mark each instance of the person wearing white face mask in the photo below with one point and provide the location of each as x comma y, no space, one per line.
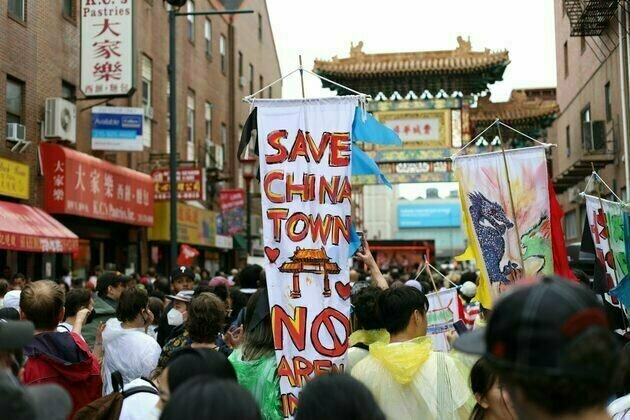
127,347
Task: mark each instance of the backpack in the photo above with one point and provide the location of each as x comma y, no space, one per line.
110,406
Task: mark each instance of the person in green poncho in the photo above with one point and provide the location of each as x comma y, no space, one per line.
254,361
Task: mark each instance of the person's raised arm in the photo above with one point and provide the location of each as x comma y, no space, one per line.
365,256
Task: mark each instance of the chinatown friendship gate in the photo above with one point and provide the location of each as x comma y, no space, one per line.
436,101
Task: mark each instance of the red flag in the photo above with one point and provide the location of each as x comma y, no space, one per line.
560,259
187,255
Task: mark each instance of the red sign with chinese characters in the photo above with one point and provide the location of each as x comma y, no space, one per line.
24,228
80,184
190,184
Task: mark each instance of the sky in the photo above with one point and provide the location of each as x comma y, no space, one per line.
324,28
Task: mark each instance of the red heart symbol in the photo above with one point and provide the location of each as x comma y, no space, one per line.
344,290
272,254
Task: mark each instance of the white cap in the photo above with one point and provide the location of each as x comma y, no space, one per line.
415,284
469,289
12,300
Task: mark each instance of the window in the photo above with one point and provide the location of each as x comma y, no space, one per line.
190,117
568,140
15,101
222,48
223,139
570,225
190,8
207,30
582,45
260,28
608,102
68,91
261,81
208,112
565,50
251,78
16,9
68,8
587,129
147,99
270,91
240,69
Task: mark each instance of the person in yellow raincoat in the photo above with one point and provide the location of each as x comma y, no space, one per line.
409,379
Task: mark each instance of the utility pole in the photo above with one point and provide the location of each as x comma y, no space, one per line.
172,105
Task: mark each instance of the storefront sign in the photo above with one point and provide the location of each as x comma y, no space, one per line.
82,185
195,226
117,128
107,47
14,179
29,229
190,184
233,210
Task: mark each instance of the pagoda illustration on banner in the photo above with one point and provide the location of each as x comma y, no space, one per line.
313,261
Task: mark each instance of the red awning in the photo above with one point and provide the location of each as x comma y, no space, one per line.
25,228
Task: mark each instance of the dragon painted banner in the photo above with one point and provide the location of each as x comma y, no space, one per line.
607,223
496,218
305,149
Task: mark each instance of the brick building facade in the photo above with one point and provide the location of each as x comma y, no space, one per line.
39,59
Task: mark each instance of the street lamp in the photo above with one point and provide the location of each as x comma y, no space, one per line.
172,107
248,164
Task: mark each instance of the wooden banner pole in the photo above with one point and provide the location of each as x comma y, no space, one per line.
507,174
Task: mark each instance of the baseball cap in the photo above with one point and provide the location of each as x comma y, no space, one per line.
15,334
183,296
110,278
534,328
468,289
182,271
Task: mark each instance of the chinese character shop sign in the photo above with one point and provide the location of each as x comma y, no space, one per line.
190,184
80,184
107,47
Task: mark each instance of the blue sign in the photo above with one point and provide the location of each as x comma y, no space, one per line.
429,215
117,128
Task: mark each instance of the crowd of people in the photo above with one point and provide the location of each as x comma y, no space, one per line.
192,346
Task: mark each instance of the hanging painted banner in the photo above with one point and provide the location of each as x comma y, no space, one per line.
494,216
607,227
442,314
305,171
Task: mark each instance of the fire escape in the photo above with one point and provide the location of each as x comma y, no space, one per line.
589,17
591,20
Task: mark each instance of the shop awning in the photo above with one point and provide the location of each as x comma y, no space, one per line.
25,228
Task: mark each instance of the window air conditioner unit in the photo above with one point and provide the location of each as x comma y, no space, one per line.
61,120
148,112
241,81
16,132
214,156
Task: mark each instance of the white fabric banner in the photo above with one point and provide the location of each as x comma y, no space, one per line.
305,173
443,313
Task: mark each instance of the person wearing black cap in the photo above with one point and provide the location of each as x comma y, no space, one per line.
552,349
109,287
182,279
48,401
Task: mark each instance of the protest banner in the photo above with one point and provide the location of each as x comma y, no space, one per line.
505,198
607,222
305,170
442,314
